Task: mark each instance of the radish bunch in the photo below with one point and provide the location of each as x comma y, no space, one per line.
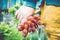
30,25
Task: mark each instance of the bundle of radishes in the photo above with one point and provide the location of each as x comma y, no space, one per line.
30,25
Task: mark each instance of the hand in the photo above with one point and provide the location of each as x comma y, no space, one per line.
23,13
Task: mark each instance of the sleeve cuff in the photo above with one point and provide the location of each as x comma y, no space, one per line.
29,4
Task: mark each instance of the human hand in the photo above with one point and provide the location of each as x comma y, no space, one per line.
23,13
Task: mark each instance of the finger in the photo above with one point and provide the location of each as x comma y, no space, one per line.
16,14
20,18
23,20
19,15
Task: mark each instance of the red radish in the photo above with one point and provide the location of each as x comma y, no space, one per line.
36,26
29,22
39,23
24,35
21,24
25,31
31,18
30,29
36,17
26,26
32,24
33,29
35,21
20,28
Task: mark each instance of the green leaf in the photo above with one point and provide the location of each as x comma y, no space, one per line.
34,36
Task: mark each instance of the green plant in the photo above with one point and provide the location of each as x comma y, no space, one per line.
9,32
3,28
13,34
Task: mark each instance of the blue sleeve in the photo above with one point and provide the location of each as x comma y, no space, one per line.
30,3
3,4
